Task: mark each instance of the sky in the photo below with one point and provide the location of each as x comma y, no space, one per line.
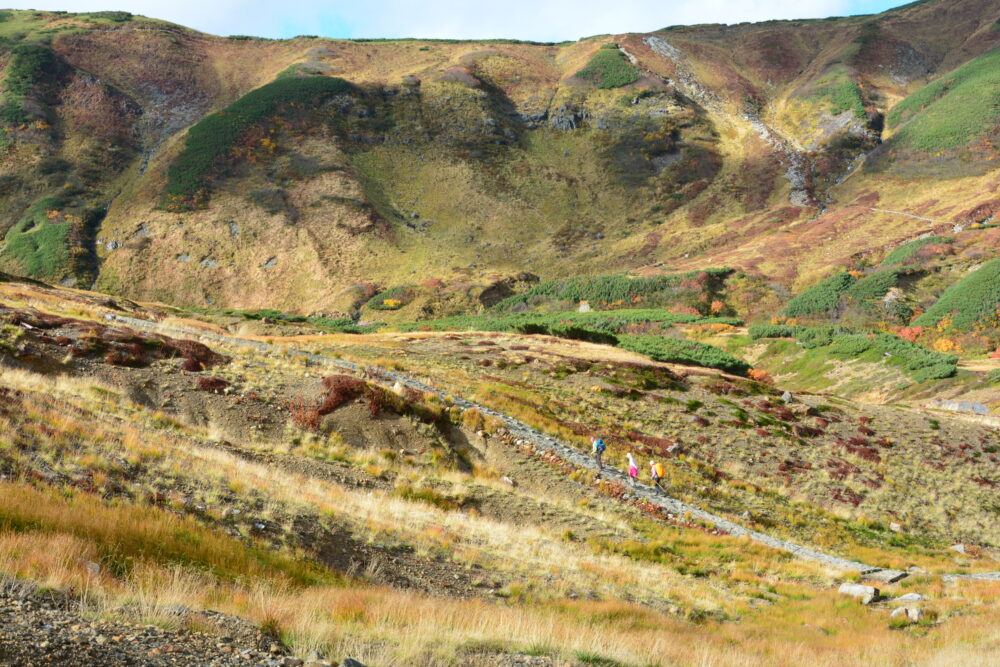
541,20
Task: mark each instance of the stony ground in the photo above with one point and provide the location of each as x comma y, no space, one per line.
42,628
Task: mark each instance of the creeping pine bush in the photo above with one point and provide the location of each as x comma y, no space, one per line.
337,324
820,298
917,361
609,68
903,253
993,376
771,331
29,63
972,302
682,351
209,141
873,286
609,289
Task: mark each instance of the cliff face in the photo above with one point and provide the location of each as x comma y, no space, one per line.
168,164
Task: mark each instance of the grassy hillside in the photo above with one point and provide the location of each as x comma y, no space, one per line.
349,518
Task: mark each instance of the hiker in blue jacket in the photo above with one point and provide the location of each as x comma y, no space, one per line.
598,451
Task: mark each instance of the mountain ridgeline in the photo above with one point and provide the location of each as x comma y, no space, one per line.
310,174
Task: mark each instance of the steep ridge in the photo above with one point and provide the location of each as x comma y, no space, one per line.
471,161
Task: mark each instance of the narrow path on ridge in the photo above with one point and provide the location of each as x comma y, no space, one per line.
522,433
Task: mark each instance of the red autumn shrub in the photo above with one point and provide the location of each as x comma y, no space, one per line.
212,384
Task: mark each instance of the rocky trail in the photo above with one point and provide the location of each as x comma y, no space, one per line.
522,434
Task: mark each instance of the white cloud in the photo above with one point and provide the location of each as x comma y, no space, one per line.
524,19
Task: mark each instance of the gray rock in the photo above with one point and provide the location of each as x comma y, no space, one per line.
350,662
959,548
270,263
867,594
787,397
910,597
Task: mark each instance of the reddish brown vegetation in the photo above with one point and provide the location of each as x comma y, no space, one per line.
212,384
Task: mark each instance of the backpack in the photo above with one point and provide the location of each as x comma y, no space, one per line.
659,469
599,445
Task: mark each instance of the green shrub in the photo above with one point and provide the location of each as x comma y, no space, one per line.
611,289
971,303
771,331
391,299
38,246
904,252
29,64
608,321
43,252
846,97
582,333
682,351
851,345
117,17
993,376
917,361
9,338
209,141
4,16
609,68
820,298
873,286
953,110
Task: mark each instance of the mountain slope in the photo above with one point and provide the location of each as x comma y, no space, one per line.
469,161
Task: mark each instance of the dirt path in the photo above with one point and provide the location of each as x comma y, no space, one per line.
523,434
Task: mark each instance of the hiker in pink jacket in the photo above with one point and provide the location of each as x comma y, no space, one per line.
633,468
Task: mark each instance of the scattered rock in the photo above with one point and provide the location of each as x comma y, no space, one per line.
787,397
911,614
910,597
867,594
959,548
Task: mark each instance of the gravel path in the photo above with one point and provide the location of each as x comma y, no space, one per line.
524,434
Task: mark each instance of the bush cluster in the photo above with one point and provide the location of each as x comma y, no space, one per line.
29,64
873,286
757,331
608,321
970,303
610,289
903,253
337,324
683,351
917,361
115,16
609,68
820,298
393,298
209,141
